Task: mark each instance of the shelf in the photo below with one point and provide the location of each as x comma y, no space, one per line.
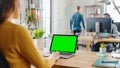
93,11
93,6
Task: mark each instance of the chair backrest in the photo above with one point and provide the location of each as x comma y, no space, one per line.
3,61
118,25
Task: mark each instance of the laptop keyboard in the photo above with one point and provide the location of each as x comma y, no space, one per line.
65,53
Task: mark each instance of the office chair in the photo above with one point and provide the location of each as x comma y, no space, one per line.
116,34
3,61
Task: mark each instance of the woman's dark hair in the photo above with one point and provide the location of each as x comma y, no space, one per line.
7,7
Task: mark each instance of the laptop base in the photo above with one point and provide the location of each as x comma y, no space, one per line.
66,55
63,55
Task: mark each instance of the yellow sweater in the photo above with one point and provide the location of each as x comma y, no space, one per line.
17,45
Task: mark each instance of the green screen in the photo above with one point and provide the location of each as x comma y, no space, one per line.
64,43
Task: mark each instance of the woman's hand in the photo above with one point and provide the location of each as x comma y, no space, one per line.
56,55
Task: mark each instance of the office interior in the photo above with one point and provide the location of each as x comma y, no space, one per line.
53,16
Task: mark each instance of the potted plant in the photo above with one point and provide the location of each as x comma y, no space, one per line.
37,34
102,47
30,20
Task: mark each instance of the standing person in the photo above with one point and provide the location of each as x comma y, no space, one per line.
75,22
16,42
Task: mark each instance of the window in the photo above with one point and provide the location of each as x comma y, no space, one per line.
113,12
46,16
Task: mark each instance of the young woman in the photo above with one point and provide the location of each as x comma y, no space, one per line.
16,42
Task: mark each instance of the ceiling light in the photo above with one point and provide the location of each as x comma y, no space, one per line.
103,1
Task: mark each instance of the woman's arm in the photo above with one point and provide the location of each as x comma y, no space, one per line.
29,52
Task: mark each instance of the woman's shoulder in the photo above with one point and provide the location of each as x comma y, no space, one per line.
17,26
20,27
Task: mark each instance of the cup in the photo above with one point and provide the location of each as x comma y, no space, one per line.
102,49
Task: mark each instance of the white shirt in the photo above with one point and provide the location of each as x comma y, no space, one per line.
115,30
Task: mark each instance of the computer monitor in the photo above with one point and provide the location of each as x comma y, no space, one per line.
64,43
105,24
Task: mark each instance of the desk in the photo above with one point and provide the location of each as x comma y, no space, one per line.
108,40
90,39
82,59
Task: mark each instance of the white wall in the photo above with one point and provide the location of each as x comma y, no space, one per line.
62,11
60,15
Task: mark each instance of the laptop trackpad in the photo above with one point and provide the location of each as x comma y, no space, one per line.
66,55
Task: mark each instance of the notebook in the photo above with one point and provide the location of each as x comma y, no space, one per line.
65,44
106,62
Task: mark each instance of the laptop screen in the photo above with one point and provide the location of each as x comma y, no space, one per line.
64,43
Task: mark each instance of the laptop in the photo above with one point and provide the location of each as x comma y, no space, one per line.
65,44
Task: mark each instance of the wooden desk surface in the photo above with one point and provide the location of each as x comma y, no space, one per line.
90,39
82,59
87,38
108,40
